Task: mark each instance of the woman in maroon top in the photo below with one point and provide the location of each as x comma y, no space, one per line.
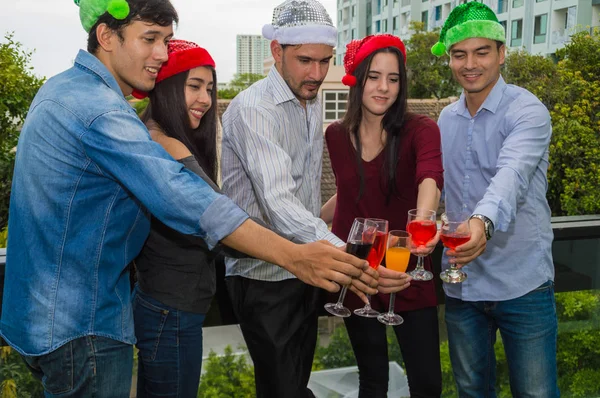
386,162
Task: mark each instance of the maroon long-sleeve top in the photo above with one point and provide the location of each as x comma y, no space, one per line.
419,158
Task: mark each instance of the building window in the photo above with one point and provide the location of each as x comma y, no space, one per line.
369,30
516,33
540,28
503,23
502,6
438,13
385,3
425,19
353,11
354,34
395,24
517,3
384,25
539,1
377,26
334,104
378,9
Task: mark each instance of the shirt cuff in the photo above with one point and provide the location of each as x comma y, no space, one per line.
491,212
220,219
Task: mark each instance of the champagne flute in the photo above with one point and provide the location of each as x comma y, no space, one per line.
396,258
422,227
360,239
374,258
455,232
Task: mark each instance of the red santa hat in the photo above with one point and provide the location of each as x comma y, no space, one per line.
183,56
358,50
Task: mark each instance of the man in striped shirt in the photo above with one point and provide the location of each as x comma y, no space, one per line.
271,162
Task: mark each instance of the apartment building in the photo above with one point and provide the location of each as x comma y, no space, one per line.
251,50
538,26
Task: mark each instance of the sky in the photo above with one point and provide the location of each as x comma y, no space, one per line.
53,30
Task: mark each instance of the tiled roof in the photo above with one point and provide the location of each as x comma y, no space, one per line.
429,107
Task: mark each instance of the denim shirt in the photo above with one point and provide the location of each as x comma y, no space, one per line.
87,176
495,164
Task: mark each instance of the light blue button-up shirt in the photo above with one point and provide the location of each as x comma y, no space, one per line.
86,177
495,164
271,164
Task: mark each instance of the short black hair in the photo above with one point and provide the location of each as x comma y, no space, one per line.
160,12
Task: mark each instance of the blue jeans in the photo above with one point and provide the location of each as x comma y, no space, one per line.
90,366
528,327
170,348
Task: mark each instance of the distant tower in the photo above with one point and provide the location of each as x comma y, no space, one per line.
251,52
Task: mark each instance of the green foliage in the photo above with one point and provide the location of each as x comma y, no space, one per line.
15,379
18,86
3,237
428,76
337,354
239,83
139,105
571,91
227,376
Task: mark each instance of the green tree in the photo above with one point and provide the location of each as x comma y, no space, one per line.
428,76
240,82
570,89
18,86
227,376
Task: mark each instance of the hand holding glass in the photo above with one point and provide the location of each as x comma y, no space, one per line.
360,239
396,259
374,258
422,228
455,232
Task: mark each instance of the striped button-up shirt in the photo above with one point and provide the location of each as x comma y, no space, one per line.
495,164
271,165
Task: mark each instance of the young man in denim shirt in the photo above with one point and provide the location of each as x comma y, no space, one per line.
87,176
495,148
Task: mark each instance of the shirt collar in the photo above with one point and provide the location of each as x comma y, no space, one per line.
90,62
281,91
491,103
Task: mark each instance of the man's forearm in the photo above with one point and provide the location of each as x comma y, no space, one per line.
262,243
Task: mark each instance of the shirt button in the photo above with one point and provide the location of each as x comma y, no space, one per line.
472,121
467,177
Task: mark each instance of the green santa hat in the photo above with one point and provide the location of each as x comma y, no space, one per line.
91,10
468,21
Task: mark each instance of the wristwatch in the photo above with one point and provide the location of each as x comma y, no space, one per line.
488,225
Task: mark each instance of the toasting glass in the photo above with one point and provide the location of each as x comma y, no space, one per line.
455,232
374,258
396,258
422,227
360,240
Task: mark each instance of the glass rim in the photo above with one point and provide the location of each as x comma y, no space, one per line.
404,234
420,211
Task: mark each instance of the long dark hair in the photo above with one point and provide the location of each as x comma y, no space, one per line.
168,108
392,122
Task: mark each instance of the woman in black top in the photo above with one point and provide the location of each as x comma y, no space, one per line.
175,272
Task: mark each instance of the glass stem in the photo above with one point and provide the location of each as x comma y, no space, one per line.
340,302
419,263
368,303
392,299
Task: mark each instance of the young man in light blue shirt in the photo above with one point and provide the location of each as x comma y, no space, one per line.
495,148
87,176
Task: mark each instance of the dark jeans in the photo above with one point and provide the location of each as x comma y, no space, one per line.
419,342
170,344
91,366
279,324
528,327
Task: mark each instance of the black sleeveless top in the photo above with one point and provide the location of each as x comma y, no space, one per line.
176,269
